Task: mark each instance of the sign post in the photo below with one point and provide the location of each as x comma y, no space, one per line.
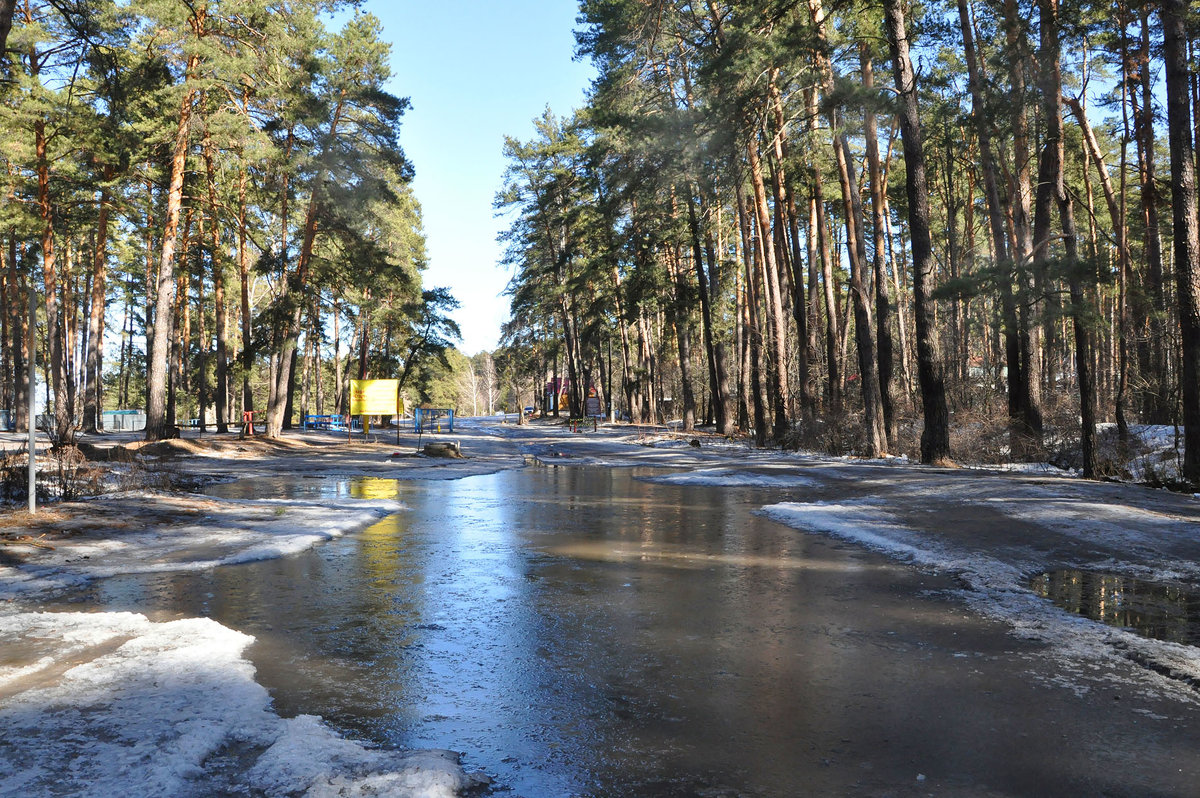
399,411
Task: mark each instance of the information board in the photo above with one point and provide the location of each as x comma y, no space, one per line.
375,398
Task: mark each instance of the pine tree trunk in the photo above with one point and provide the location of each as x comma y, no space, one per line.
813,311
126,349
182,329
718,384
755,379
289,405
744,409
94,364
950,203
320,383
785,207
337,355
1117,214
935,438
19,336
648,398
1051,174
280,398
900,286
707,210
774,301
63,427
1026,383
293,286
202,394
883,301
1186,226
364,340
683,340
627,382
1152,310
833,328
864,327
7,7
157,365
996,213
72,313
220,320
243,256
8,294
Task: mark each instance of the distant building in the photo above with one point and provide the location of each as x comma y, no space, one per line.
123,420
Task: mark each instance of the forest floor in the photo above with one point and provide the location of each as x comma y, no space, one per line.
1008,538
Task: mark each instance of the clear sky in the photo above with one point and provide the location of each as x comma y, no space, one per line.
475,71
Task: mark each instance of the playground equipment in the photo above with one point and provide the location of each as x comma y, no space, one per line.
433,419
248,422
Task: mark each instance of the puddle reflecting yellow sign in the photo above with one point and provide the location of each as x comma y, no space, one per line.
373,488
375,398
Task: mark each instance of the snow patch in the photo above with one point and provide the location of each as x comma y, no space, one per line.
115,704
232,532
310,758
732,478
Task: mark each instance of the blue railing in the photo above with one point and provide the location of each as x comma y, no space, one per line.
433,419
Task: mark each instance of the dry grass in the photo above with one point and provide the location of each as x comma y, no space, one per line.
25,520
64,519
187,447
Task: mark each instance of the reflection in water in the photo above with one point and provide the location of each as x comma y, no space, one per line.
1152,609
579,632
373,488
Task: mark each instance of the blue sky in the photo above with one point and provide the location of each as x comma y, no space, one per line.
475,71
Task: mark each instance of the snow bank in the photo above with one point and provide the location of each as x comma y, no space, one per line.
114,704
221,532
1156,451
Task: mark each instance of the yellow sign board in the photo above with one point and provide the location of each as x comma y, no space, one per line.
375,398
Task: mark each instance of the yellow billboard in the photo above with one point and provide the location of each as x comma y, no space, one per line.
375,398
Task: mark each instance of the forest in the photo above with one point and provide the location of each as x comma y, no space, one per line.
950,230
209,209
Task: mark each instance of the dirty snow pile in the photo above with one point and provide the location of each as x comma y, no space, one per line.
223,532
114,704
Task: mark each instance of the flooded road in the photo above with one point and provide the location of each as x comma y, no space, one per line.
577,631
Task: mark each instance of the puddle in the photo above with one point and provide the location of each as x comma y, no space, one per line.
577,632
1160,610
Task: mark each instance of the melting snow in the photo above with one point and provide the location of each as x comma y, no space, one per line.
233,532
732,478
114,704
